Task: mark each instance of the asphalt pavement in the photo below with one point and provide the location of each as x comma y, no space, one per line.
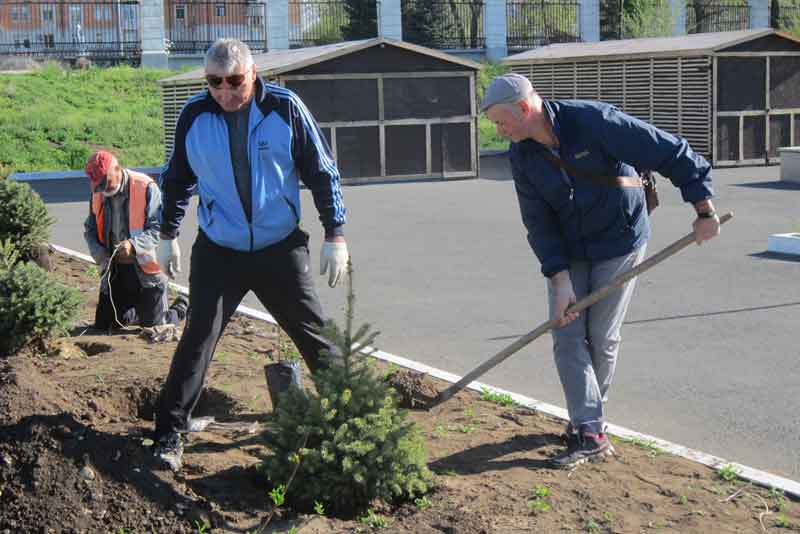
709,356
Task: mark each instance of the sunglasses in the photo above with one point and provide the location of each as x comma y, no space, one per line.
234,80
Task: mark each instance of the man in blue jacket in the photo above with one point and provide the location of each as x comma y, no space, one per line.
585,232
243,145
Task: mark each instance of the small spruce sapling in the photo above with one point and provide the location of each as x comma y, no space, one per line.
360,446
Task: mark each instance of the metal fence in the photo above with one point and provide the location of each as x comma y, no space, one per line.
191,27
319,22
626,20
712,16
448,24
99,30
785,17
535,23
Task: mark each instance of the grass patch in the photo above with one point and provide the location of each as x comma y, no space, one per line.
54,118
651,447
489,140
728,473
503,399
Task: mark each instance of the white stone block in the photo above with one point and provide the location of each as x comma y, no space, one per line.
790,163
784,244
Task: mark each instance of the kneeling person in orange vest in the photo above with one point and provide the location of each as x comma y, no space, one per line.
122,231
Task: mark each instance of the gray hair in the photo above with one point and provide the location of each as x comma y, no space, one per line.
229,53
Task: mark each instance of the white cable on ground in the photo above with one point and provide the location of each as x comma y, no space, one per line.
107,274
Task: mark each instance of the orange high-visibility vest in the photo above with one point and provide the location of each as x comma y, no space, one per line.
137,210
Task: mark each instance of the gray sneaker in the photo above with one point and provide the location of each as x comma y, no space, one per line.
588,446
169,449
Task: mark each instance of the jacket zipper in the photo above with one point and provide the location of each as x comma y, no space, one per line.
252,204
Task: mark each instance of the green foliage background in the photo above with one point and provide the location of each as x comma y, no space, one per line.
54,118
489,139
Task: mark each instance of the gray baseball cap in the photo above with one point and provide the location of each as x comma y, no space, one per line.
506,89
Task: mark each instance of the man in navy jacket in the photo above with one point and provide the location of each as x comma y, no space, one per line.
243,145
584,232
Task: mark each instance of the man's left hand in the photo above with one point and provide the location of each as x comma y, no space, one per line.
126,253
705,228
333,258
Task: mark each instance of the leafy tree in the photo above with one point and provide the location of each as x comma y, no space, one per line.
647,18
425,22
362,19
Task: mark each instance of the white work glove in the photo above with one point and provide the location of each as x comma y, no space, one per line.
333,256
564,297
169,256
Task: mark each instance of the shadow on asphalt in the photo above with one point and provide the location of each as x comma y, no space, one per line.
775,184
62,191
776,256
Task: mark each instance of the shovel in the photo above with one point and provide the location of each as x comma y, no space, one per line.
579,306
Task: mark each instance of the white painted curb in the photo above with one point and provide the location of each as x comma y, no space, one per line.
757,476
784,243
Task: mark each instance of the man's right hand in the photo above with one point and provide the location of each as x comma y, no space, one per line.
564,297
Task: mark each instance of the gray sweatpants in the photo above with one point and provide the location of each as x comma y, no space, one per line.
586,349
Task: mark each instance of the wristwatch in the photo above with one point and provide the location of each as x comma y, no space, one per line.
706,214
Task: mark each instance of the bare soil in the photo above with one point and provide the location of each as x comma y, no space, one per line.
76,414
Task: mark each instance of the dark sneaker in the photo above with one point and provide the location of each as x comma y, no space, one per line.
569,435
586,446
169,449
180,306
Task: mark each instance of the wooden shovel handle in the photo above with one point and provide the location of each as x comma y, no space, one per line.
579,306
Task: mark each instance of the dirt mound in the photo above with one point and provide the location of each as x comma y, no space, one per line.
57,470
416,390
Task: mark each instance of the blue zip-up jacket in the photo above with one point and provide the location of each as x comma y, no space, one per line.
284,145
569,218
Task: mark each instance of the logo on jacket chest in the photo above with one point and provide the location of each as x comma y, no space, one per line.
263,145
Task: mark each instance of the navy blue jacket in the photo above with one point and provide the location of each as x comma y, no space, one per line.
284,145
569,218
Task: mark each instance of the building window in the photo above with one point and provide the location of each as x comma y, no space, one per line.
47,14
129,17
102,13
75,15
49,40
220,10
20,14
254,17
180,12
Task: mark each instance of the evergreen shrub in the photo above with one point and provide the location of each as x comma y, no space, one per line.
33,305
352,442
23,218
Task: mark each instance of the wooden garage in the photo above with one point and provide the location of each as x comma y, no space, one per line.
389,109
732,95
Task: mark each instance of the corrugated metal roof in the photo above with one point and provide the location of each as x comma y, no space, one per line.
282,61
683,45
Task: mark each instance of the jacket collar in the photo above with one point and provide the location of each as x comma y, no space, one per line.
551,112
